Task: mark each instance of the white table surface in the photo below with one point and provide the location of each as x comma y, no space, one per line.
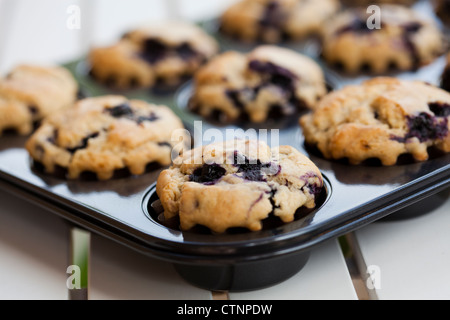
412,255
34,244
34,249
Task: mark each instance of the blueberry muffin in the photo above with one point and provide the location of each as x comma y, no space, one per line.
160,54
403,42
442,10
29,93
382,118
238,183
273,21
268,82
104,134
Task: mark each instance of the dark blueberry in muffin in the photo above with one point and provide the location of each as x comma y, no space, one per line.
234,96
277,111
358,25
440,109
314,189
272,201
122,110
84,143
208,174
276,76
52,139
152,117
185,51
273,17
412,27
279,76
253,170
283,79
426,127
153,51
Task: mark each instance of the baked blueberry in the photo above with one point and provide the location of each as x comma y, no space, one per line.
121,110
83,144
209,173
357,25
426,127
440,109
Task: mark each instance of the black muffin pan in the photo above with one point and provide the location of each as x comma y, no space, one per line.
127,209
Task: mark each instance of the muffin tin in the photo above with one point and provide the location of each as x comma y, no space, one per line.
127,209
